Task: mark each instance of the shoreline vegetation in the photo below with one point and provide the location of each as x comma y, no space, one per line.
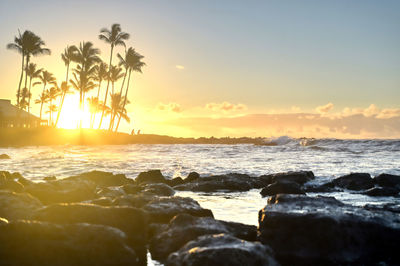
44,136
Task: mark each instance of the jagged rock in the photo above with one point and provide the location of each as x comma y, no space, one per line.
192,176
101,179
391,207
327,187
184,228
382,192
133,200
10,184
163,209
103,201
152,176
38,243
354,181
221,250
299,177
17,205
175,181
387,180
111,192
132,188
10,176
282,188
158,189
130,220
4,156
323,231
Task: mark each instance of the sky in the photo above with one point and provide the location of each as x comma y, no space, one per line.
234,68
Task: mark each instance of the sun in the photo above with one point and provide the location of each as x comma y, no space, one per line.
71,114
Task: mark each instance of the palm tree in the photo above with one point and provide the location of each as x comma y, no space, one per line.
68,56
93,108
64,90
116,107
42,100
17,45
46,78
114,37
23,103
100,74
134,63
33,73
52,95
114,75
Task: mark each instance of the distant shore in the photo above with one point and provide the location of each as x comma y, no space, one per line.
55,136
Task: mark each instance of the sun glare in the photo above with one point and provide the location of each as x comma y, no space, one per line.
71,114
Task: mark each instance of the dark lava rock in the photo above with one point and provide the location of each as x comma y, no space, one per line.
221,250
10,176
158,189
4,156
387,180
132,188
282,188
101,179
10,184
228,182
184,228
130,220
37,244
299,177
152,176
192,176
327,187
354,181
17,205
391,207
163,209
111,192
175,181
49,178
323,231
133,200
382,192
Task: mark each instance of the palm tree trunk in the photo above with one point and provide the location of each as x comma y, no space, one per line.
126,97
108,84
62,99
20,78
80,108
51,122
123,82
41,107
29,95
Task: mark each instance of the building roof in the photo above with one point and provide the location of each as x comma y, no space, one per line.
9,111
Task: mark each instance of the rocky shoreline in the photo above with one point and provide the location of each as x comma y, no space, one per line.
101,218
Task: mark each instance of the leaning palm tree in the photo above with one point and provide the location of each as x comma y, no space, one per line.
46,78
114,75
93,108
134,63
64,90
68,56
33,73
18,46
114,37
42,100
100,74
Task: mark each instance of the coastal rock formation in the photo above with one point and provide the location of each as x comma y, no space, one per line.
38,243
304,230
152,176
221,249
17,205
158,189
184,228
130,220
10,184
299,177
4,156
163,209
387,180
282,188
382,192
100,179
354,181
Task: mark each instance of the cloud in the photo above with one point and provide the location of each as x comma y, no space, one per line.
225,107
171,107
372,111
324,108
295,109
180,67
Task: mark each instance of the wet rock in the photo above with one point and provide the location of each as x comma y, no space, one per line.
130,220
10,184
63,191
391,207
111,192
228,182
133,200
327,187
132,188
158,189
299,177
10,176
323,231
354,181
184,228
387,180
152,176
192,176
49,178
103,201
101,179
4,156
38,243
221,250
17,205
175,181
282,188
163,209
382,192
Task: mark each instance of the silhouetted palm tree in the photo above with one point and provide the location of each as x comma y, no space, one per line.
46,78
42,100
115,74
33,73
114,37
17,45
64,90
52,95
23,103
134,63
116,107
68,56
93,108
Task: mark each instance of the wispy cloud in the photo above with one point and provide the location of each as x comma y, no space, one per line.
171,107
180,67
225,107
324,108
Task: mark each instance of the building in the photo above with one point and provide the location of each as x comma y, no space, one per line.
12,116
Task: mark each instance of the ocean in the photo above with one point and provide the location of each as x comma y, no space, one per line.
327,158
